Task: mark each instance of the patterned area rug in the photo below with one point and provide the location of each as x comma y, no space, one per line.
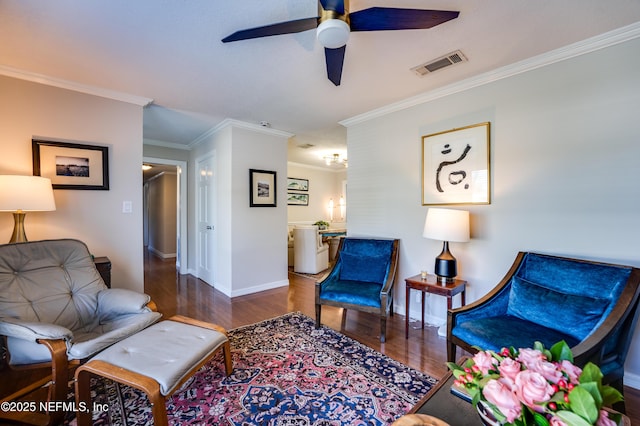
285,373
312,276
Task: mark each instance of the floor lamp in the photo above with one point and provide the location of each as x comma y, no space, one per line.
446,225
21,194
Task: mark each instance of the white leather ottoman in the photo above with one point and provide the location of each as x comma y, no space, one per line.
156,360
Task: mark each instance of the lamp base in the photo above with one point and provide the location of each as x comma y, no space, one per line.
446,266
18,235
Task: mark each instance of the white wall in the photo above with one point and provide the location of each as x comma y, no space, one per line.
564,163
323,185
30,110
251,241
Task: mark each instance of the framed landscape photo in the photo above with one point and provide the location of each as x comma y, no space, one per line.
71,165
455,166
297,199
262,189
295,184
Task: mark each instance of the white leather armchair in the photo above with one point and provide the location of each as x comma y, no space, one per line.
311,255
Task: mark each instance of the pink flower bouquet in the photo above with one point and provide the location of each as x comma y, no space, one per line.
538,387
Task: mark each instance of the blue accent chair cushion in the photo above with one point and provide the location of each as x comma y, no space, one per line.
570,314
370,268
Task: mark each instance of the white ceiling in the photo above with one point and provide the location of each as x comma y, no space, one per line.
170,51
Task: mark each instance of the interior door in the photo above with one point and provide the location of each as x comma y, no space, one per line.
206,203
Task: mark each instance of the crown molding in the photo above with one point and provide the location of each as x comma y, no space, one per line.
164,144
313,167
589,45
229,122
71,85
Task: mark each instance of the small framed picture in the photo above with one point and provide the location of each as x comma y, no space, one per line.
295,184
455,166
262,188
297,199
71,165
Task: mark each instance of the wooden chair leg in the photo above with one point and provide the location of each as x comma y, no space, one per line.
318,311
228,362
59,376
83,397
383,329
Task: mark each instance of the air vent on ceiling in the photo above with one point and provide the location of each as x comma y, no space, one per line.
437,64
306,145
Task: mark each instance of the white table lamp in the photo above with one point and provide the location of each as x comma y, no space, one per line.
446,225
21,194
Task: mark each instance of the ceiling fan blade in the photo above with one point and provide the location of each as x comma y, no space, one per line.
287,27
335,60
335,5
389,18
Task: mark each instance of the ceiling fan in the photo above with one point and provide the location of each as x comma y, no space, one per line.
334,24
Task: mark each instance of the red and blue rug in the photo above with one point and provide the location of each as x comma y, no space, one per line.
285,373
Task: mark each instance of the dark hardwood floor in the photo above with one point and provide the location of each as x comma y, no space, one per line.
186,295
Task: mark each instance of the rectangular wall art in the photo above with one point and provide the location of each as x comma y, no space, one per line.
71,165
262,189
455,166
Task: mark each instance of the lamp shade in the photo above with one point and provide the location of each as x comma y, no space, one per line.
447,225
26,193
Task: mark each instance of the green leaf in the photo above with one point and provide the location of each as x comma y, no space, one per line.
453,366
540,420
561,352
582,403
591,373
610,396
572,419
594,391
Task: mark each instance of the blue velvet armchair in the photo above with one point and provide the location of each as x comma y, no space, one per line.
362,278
592,306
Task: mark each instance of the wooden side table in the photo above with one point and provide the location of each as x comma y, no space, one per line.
103,265
431,285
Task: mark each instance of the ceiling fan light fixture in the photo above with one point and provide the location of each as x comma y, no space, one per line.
333,33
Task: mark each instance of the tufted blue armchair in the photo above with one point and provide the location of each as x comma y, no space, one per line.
362,278
56,310
592,306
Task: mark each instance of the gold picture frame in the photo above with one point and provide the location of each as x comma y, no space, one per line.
456,166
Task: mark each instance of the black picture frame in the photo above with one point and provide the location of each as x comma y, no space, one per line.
262,188
297,184
71,165
297,199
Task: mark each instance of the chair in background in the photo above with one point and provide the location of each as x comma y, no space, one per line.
290,247
310,254
55,309
362,278
593,306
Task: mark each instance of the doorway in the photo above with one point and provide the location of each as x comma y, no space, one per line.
180,168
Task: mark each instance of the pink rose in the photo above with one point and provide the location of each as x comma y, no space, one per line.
572,371
555,421
548,370
530,356
509,369
500,395
484,361
532,388
604,419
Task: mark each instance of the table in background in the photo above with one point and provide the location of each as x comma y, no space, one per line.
431,285
103,265
332,236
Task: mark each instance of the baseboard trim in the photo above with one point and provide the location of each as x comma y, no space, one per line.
259,288
161,254
632,380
